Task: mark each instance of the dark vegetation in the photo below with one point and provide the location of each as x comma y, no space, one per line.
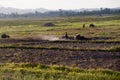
63,13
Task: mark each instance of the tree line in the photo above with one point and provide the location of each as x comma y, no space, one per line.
62,13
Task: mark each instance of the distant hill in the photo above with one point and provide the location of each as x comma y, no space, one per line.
9,10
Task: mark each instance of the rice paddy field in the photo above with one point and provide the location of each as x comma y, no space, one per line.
37,52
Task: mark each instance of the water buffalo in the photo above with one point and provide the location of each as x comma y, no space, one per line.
91,25
5,36
79,37
49,24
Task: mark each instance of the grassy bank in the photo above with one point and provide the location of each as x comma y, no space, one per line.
27,71
113,48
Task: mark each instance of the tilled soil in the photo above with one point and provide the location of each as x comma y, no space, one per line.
82,59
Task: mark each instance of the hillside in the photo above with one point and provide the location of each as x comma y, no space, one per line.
9,10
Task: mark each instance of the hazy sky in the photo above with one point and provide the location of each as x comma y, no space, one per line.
60,4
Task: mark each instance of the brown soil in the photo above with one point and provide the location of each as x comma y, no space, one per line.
82,59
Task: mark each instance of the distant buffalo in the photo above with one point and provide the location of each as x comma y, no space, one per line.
83,25
91,25
5,36
49,24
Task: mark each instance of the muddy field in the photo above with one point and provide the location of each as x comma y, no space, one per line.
83,59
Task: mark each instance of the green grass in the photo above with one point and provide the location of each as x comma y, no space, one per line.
107,26
27,71
113,48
